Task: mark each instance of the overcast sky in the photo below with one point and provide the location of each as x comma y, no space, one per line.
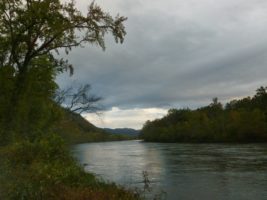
177,53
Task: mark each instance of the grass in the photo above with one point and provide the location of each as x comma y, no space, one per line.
45,169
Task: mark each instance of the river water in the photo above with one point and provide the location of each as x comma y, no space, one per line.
182,171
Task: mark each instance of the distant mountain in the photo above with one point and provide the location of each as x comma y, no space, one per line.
123,131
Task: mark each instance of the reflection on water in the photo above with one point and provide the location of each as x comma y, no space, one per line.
184,171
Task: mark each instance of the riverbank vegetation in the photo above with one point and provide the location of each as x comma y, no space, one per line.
243,120
35,162
44,169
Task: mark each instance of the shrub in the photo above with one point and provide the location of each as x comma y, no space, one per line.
44,169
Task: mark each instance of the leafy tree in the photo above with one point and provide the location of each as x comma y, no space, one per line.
32,33
34,163
260,98
33,28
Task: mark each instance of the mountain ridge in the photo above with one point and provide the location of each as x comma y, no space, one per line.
123,131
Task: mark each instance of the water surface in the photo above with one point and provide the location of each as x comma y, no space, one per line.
183,171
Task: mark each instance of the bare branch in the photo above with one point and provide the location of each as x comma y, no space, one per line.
78,100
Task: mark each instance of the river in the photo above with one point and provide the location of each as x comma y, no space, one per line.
182,171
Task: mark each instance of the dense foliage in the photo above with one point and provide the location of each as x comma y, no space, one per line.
44,169
35,163
243,120
32,33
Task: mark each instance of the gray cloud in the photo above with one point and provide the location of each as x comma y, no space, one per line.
177,53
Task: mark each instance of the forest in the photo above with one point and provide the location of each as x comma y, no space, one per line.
239,121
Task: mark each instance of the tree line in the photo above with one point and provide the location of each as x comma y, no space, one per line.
243,120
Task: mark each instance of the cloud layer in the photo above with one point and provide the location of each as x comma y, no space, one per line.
177,53
133,118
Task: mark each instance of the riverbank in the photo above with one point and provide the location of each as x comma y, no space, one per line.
44,169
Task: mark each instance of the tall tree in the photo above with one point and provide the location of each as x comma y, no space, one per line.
32,32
